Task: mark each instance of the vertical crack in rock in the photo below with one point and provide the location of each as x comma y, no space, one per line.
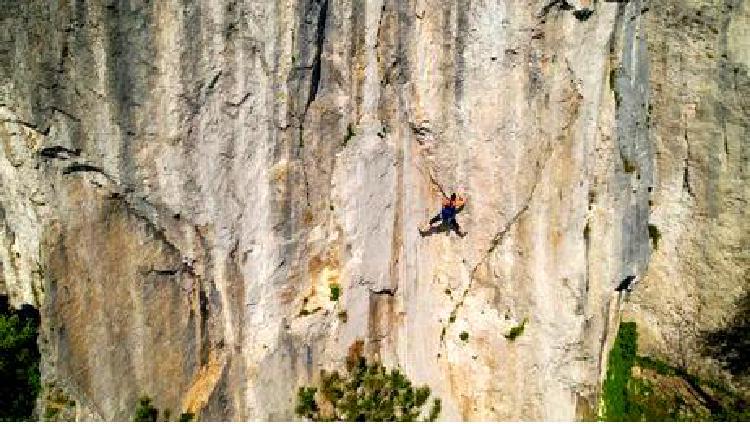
435,182
494,243
423,133
503,231
686,172
314,88
319,40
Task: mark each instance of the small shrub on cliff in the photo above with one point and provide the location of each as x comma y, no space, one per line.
186,417
516,331
144,411
335,292
367,392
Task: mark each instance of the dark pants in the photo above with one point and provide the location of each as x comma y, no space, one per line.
451,222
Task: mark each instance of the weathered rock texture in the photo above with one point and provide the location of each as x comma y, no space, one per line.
183,180
693,307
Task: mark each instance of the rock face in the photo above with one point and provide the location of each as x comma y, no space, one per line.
184,180
695,300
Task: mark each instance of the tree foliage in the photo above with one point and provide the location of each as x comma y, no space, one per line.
367,392
19,362
144,411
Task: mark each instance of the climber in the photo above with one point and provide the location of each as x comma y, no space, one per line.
451,207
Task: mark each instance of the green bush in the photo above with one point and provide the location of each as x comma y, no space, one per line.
335,292
464,336
19,363
144,411
367,392
516,331
186,416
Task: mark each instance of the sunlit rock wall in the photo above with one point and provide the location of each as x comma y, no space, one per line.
182,181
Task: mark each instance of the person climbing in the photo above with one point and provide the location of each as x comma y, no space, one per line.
447,215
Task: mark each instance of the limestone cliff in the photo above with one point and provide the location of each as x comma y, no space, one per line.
694,305
182,181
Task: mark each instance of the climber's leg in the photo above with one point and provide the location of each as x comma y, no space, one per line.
435,219
454,225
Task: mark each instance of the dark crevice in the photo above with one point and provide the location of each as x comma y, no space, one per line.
319,40
561,4
686,179
82,167
240,102
626,284
387,292
686,172
435,183
711,403
314,86
164,272
59,152
28,125
304,168
214,80
203,308
64,113
726,145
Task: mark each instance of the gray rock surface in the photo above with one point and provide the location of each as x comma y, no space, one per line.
691,304
182,181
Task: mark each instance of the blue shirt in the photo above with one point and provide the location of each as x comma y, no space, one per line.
447,213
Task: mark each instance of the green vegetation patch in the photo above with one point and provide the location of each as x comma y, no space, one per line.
583,14
464,336
639,388
616,402
187,417
516,331
366,392
19,362
335,292
146,411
